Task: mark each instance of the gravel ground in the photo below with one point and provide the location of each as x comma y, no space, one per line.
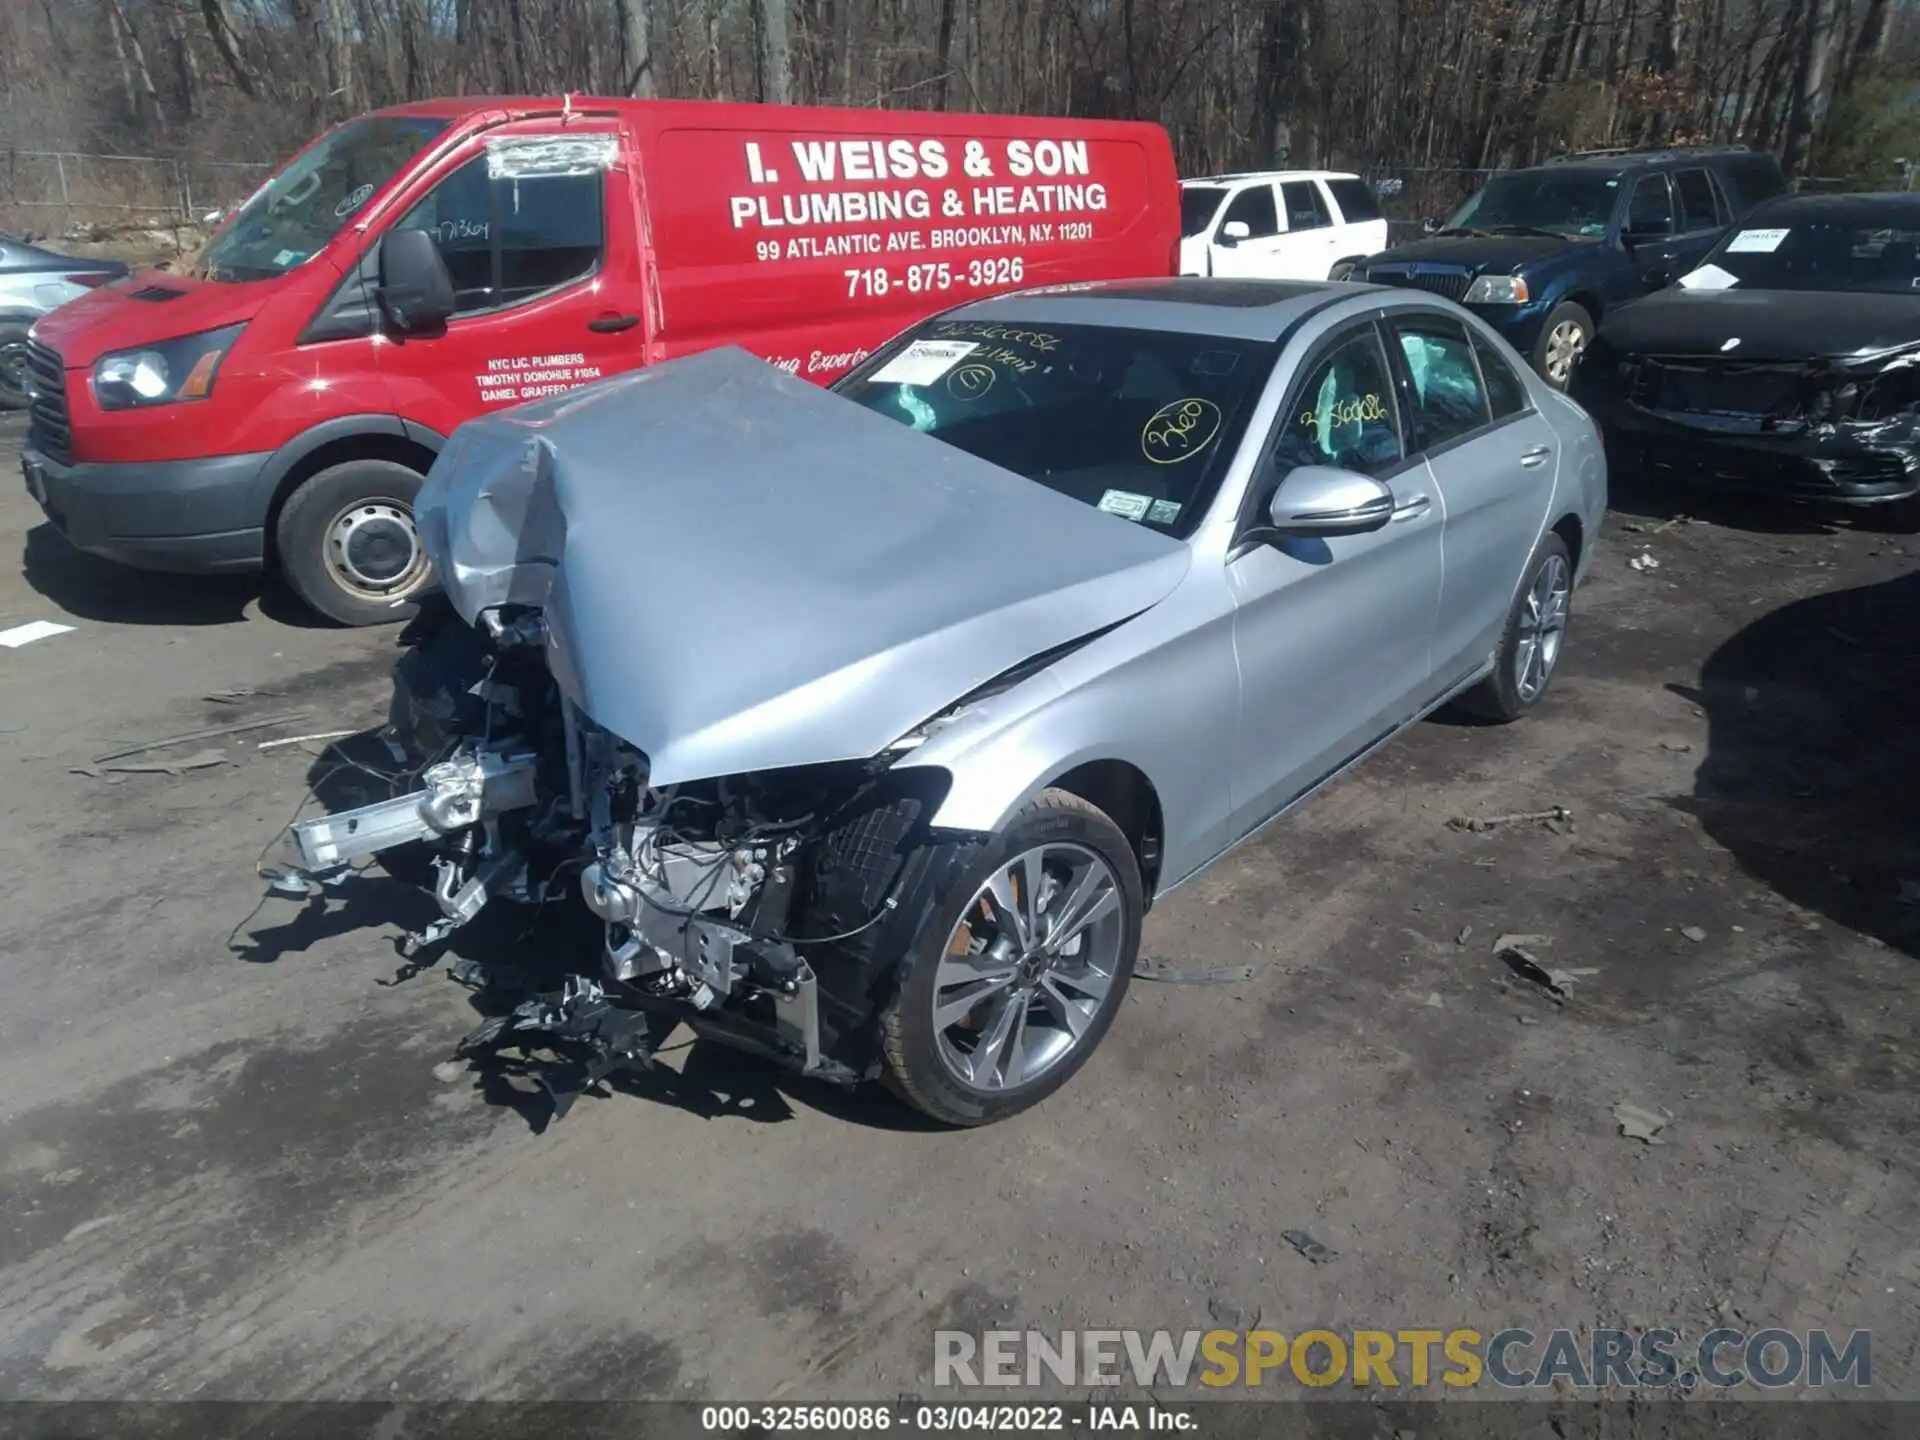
231,1169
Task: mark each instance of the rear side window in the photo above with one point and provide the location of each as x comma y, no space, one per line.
1355,200
1448,398
1694,189
509,240
1305,209
1755,178
1506,394
1253,206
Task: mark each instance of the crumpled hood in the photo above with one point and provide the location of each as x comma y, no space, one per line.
741,571
1764,324
110,318
1481,254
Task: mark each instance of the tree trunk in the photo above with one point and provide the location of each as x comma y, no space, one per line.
226,44
1803,117
776,53
141,74
636,48
943,54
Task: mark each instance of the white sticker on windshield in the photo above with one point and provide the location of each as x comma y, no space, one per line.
1762,242
923,362
550,157
286,258
1126,504
1163,512
1709,277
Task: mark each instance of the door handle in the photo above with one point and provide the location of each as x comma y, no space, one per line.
612,324
1538,455
1413,509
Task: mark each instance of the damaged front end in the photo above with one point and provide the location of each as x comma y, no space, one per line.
721,902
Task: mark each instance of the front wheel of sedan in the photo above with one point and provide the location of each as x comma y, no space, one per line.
1531,644
1017,972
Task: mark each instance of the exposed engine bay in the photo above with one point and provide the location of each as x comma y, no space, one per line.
717,898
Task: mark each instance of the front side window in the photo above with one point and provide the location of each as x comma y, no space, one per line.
1651,210
1138,423
1305,209
1198,205
1344,413
294,215
1448,399
1697,208
509,239
1254,207
1550,201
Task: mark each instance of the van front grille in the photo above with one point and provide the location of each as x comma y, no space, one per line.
49,429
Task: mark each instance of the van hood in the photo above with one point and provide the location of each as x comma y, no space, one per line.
144,308
1744,324
740,571
1483,254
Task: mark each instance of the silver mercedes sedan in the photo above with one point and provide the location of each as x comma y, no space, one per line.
871,722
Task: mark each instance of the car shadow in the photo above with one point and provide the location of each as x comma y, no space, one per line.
94,589
1813,757
530,950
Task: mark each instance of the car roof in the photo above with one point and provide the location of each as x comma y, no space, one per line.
1610,160
1886,209
1228,309
1241,175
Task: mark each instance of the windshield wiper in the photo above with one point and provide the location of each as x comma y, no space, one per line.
1527,230
1459,230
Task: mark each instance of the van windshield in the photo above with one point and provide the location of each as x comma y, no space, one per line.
1139,423
1562,202
293,216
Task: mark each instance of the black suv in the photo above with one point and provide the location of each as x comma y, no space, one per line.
1541,254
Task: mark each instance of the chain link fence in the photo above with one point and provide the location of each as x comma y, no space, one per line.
1410,194
53,191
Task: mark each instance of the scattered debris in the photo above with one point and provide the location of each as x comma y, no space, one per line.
1693,933
1311,1248
1640,1124
1558,815
1466,934
215,733
199,760
230,697
1517,942
1643,562
1232,1316
303,739
1152,968
1433,1001
1678,747
448,1071
1557,983
1664,527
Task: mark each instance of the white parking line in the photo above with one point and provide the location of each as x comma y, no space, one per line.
26,634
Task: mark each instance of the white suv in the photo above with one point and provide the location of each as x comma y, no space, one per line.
1277,224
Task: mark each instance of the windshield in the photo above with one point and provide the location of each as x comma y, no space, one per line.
1560,202
1198,204
293,216
1814,257
1137,423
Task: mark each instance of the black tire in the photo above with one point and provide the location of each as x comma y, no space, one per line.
910,1043
1565,314
1343,269
372,500
1501,697
13,347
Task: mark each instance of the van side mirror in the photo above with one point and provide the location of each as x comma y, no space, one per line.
1234,231
1323,500
416,290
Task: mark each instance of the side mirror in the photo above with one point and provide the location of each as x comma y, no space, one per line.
416,291
1234,231
1429,225
1322,500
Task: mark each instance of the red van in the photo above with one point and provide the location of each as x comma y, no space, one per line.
279,401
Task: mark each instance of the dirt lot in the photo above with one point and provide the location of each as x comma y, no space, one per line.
230,1169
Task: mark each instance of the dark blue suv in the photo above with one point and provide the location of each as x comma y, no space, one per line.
1541,254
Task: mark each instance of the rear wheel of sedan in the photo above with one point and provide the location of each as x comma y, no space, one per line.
1017,970
1531,643
347,543
1563,340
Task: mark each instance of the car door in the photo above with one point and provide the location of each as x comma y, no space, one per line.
1257,252
1332,636
540,242
1650,231
1493,458
1313,241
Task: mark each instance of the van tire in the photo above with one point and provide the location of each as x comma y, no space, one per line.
347,545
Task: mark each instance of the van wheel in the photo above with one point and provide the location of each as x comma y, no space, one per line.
1563,340
348,546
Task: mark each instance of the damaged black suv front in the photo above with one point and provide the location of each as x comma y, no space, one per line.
1786,364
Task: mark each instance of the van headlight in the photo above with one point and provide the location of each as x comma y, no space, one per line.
1497,290
173,370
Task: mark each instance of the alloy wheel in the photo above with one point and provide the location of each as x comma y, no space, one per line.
1566,343
1543,622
